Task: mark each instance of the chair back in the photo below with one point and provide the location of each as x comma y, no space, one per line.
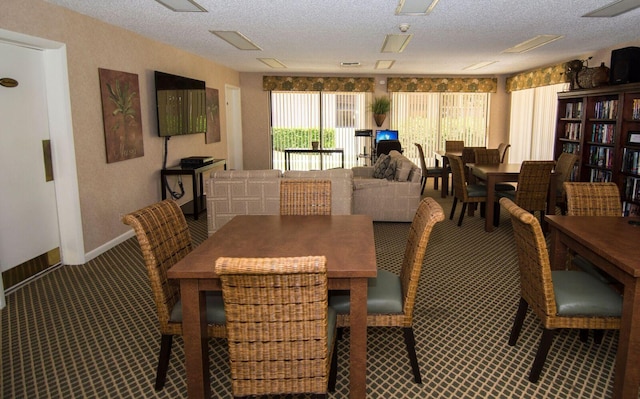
386,146
593,199
502,149
536,285
305,197
564,168
487,156
459,178
468,155
453,145
277,321
428,214
423,164
164,238
533,185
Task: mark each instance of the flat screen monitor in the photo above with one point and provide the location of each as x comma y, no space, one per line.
181,105
386,135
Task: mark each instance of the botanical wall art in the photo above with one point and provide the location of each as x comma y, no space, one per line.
213,116
120,94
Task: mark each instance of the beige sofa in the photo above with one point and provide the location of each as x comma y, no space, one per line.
385,200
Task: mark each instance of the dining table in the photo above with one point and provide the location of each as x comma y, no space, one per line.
504,172
442,155
611,244
346,241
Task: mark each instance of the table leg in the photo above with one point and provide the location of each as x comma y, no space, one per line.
491,198
196,199
558,251
196,342
627,370
358,339
445,177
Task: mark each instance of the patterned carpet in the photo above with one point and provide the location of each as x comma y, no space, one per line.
90,331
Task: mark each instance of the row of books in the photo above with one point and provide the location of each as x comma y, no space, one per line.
606,109
631,189
631,161
635,109
603,133
573,110
599,175
601,157
571,148
631,209
572,131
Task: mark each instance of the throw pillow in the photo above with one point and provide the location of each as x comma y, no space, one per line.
381,165
403,168
390,173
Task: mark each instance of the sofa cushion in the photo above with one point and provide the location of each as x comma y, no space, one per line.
403,169
381,165
390,172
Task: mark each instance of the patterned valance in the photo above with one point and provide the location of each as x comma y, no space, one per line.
304,83
539,77
439,85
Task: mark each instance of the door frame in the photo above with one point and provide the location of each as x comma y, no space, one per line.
234,127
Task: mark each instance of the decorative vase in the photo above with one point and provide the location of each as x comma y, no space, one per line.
379,118
600,76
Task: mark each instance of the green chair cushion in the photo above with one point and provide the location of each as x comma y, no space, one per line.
384,295
591,269
476,190
215,309
511,194
580,294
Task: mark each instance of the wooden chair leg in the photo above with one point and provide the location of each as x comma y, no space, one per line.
496,214
453,207
584,335
517,322
464,208
163,361
435,182
541,356
597,336
333,368
410,342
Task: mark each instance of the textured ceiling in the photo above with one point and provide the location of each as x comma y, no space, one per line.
316,36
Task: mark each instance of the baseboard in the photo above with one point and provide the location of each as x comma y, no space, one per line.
108,245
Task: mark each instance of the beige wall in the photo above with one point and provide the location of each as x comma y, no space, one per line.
255,118
110,190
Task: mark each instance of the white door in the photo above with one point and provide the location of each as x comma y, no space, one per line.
28,211
234,128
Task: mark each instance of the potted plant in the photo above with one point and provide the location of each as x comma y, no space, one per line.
380,106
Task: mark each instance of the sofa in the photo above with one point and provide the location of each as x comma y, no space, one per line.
388,191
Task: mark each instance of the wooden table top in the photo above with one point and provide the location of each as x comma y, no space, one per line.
610,237
346,240
482,171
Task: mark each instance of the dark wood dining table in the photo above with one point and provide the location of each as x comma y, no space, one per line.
504,172
611,244
347,242
443,156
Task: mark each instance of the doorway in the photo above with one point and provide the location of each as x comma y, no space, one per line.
234,128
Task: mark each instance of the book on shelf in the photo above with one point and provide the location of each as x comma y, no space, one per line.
631,209
606,109
598,175
631,161
572,131
571,148
635,109
573,110
603,133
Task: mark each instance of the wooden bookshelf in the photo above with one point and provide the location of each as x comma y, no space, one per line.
602,127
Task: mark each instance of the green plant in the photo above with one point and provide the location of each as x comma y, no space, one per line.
380,105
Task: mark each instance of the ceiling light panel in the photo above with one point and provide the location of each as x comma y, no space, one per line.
614,9
272,62
479,65
182,5
415,7
385,64
533,43
236,39
395,43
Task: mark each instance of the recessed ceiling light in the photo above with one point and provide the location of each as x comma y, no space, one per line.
385,64
532,43
182,5
395,43
614,9
236,39
479,65
350,64
272,62
415,7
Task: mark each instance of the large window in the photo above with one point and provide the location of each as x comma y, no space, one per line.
331,118
432,118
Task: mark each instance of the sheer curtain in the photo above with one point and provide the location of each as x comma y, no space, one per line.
532,122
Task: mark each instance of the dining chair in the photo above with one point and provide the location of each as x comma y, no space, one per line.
502,149
564,170
532,190
164,239
464,192
305,197
281,331
453,145
391,298
435,172
491,156
592,199
559,298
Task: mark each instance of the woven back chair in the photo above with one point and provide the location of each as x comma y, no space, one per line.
453,145
281,332
560,299
593,199
435,172
305,197
502,150
391,298
463,192
164,238
487,156
564,169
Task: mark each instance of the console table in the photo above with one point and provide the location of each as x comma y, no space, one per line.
289,151
198,204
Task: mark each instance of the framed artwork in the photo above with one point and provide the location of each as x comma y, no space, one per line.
633,138
120,93
213,116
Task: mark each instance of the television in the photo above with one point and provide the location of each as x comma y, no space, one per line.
386,135
181,105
